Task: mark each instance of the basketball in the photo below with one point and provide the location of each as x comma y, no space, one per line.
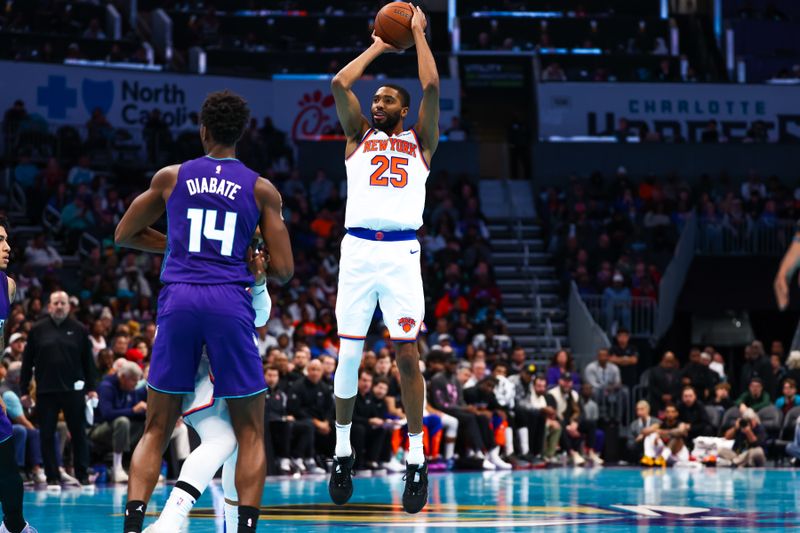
393,24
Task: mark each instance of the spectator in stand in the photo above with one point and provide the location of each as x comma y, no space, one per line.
778,370
81,173
749,438
311,399
119,346
590,415
446,395
698,375
371,436
604,377
16,347
530,412
27,439
793,366
566,403
756,398
664,383
790,398
482,401
722,396
562,362
667,445
120,414
26,173
643,426
300,361
293,440
692,412
617,302
626,357
39,254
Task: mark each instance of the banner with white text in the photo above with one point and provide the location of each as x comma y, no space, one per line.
301,107
674,110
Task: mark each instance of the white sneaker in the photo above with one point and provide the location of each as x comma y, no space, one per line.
27,529
285,465
38,477
488,465
595,459
393,466
298,465
577,459
66,479
312,467
118,475
496,460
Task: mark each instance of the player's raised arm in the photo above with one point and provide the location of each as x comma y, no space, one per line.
281,261
427,127
353,121
134,230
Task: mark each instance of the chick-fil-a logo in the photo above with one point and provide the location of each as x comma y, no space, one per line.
313,120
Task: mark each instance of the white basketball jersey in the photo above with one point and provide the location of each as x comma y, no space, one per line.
386,178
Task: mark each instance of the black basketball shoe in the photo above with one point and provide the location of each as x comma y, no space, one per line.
340,486
416,494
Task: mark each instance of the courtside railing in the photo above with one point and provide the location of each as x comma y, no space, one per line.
637,314
768,237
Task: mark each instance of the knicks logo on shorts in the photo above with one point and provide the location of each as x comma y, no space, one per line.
407,323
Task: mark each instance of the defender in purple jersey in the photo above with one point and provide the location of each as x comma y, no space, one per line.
10,480
213,206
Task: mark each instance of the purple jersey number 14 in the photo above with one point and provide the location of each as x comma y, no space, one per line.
203,223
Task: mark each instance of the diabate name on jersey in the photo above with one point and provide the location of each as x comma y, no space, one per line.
213,186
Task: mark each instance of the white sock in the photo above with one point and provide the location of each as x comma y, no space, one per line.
509,441
231,518
416,452
449,449
175,510
343,448
524,444
117,460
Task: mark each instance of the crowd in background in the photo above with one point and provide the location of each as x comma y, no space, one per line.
614,236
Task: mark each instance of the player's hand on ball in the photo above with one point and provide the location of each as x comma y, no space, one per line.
781,291
418,20
384,46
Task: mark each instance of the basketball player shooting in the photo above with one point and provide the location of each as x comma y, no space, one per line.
387,167
213,205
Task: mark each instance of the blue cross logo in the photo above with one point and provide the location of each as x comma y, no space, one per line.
56,97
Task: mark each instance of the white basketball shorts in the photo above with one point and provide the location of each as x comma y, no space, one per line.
380,272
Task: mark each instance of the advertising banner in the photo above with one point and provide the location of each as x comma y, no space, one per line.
301,107
672,109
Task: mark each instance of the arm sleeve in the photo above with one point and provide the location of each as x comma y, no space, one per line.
261,303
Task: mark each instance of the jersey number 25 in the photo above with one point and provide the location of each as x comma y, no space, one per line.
398,177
